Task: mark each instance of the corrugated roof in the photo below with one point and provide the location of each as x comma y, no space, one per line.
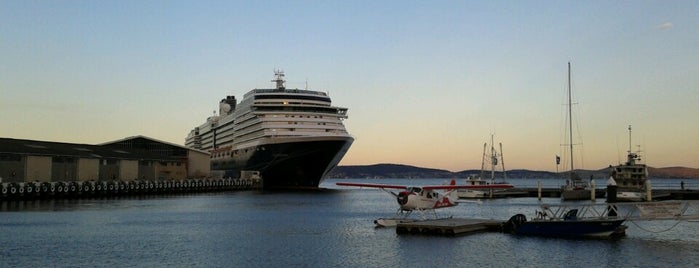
46,148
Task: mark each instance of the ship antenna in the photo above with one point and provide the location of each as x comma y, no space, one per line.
279,79
630,139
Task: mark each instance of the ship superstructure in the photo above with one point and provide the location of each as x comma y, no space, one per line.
293,137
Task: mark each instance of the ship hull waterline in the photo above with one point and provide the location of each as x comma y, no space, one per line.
286,165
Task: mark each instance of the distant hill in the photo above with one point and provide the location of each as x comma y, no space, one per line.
388,171
406,171
674,172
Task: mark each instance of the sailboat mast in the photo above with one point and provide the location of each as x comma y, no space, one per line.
493,159
483,161
502,162
570,124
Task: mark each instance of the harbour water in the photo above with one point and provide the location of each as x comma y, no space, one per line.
325,228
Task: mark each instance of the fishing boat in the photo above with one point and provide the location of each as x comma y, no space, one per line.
474,180
631,178
581,221
575,188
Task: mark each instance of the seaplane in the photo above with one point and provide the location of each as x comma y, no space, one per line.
420,198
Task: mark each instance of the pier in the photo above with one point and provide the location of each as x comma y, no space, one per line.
659,194
96,189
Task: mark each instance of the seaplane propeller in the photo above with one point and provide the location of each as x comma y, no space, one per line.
402,197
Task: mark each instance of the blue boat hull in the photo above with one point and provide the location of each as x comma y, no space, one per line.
575,228
601,228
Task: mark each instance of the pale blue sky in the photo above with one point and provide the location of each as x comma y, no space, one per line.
426,82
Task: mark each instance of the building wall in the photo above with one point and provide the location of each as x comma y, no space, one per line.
38,168
64,168
12,167
109,169
88,169
128,170
171,170
70,162
146,170
198,164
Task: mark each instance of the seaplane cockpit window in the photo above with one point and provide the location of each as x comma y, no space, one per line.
416,190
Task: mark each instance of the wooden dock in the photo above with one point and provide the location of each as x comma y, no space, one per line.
449,227
600,194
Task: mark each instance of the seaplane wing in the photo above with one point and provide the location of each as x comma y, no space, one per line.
452,186
422,198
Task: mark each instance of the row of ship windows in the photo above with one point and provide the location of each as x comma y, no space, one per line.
229,153
296,123
307,130
631,170
294,116
287,103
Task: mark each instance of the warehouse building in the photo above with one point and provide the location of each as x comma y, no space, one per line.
127,159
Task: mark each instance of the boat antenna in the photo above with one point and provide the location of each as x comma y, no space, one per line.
279,79
630,139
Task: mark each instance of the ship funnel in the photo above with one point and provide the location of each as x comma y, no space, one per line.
227,105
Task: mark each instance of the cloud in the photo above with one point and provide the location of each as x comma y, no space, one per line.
665,26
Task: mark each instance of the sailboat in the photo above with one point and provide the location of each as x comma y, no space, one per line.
493,158
575,188
565,220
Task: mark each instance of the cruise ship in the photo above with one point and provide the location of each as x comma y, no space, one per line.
292,137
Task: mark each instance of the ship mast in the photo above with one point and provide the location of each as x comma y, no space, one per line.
629,139
279,79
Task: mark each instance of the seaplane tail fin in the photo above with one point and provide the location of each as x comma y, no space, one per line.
452,195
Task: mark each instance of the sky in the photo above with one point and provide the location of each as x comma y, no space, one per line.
426,82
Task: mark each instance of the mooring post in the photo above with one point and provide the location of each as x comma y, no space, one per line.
538,187
592,190
648,191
